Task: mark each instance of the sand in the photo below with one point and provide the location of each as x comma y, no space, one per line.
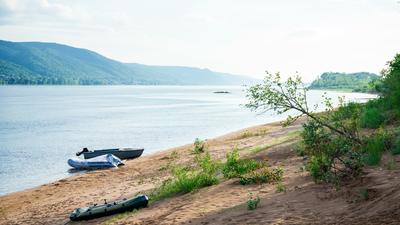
304,202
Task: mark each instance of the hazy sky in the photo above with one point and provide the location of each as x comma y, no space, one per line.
243,37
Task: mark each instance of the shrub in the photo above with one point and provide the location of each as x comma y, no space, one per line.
265,175
184,181
207,164
234,166
332,157
198,146
395,150
320,168
391,83
371,118
375,146
252,203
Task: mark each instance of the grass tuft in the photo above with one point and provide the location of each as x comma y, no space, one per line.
252,203
234,166
199,146
374,148
280,187
186,180
264,175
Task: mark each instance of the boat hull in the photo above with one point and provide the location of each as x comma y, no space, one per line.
110,208
99,162
120,153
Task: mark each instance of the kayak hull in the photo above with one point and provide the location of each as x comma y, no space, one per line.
122,153
120,206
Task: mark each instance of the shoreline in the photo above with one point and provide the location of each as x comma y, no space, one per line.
302,201
155,153
89,180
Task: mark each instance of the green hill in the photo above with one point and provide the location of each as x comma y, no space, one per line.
51,63
359,82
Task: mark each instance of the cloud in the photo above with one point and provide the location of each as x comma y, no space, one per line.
245,37
23,12
58,15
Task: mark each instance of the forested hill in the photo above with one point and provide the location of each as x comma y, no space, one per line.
360,82
51,63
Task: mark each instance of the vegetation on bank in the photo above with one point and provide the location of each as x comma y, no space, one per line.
39,63
356,82
337,142
207,171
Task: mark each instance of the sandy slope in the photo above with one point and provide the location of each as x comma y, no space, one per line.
303,203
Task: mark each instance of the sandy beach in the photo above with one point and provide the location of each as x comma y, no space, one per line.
304,202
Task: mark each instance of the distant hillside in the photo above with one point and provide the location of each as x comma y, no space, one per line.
358,82
51,63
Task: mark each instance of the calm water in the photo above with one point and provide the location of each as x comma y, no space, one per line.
42,126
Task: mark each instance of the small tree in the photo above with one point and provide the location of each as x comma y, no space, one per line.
331,139
281,97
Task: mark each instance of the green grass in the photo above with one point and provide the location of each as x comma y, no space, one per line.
246,134
374,149
199,146
264,175
371,118
186,180
252,203
395,150
234,166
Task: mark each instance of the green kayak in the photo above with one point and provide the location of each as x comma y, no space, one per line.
109,208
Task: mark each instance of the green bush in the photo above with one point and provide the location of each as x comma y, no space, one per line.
234,166
252,203
391,83
371,118
265,175
320,168
198,146
395,150
184,181
375,145
332,157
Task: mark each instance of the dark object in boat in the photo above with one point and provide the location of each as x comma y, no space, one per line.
118,206
221,92
122,153
83,150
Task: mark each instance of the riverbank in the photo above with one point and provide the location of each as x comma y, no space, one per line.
304,202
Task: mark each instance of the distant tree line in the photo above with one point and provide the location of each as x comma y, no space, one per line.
358,82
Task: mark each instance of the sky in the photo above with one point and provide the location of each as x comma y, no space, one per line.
244,37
